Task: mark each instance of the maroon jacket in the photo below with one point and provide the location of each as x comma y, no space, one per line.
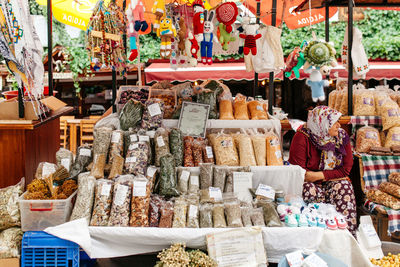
306,155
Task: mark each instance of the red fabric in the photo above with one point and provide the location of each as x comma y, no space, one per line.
307,156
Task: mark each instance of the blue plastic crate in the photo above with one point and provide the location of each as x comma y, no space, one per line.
44,250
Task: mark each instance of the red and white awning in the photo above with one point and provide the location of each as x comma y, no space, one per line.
237,71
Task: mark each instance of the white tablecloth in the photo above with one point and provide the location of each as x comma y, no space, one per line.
109,242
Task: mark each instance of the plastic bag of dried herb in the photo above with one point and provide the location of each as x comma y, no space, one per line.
176,146
209,97
153,114
83,159
85,197
167,176
10,243
102,203
9,206
120,209
140,202
161,141
271,217
65,158
102,140
131,115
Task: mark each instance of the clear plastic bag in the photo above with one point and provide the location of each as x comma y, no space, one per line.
85,197
183,176
155,210
206,175
367,137
394,177
10,243
137,158
246,152
168,97
193,212
166,214
197,149
383,198
256,110
219,177
384,104
390,188
176,146
390,117
225,106
153,114
65,158
208,155
232,212
131,115
117,144
332,99
271,217
225,152
339,99
140,202
102,140
167,176
274,153
194,184
218,216
120,209
99,163
9,205
229,177
188,153
257,217
151,175
393,137
240,107
83,159
111,121
209,97
161,140
102,203
180,213
364,104
206,215
45,169
117,166
246,219
260,148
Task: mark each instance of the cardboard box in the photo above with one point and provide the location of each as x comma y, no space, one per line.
12,262
9,108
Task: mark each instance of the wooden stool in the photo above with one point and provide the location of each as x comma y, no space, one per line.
86,130
64,133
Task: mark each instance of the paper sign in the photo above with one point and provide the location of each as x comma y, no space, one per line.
66,163
48,169
194,180
185,176
144,138
265,191
295,259
193,211
209,152
133,146
85,152
116,136
151,171
314,261
242,182
133,138
160,141
120,195
130,160
139,188
154,109
105,189
193,119
215,193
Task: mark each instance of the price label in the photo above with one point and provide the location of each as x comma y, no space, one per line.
193,211
154,109
133,146
130,160
295,259
209,152
66,163
139,188
194,180
278,154
260,108
133,138
48,169
185,176
120,195
85,152
265,191
151,171
116,137
160,141
215,193
105,189
314,261
144,138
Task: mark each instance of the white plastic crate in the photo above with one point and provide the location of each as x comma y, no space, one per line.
37,215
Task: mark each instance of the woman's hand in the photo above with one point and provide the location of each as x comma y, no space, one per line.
314,176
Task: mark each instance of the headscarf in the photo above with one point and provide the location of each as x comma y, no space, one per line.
332,148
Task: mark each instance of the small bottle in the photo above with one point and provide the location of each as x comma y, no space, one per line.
279,196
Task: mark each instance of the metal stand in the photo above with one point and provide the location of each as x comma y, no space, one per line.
349,59
114,89
271,95
50,45
255,82
21,109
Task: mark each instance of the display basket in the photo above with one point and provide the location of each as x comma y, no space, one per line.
37,215
42,249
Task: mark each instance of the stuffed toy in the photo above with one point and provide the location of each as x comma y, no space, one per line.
318,54
244,21
138,14
198,20
224,37
166,31
250,36
158,10
182,39
294,62
208,38
192,48
226,14
317,85
136,23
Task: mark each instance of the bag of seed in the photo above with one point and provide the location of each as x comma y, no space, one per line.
102,203
136,158
180,212
193,212
102,140
206,215
156,202
188,151
232,211
166,214
218,216
140,202
117,144
120,209
99,163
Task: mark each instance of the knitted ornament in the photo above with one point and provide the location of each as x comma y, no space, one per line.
158,10
250,36
226,14
208,38
198,20
167,32
224,36
317,85
318,53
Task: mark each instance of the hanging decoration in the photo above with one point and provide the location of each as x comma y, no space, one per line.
104,37
208,38
198,20
167,32
295,61
226,14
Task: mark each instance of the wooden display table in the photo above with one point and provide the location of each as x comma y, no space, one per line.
24,144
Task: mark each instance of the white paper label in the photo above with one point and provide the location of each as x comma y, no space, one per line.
260,108
185,176
370,236
139,188
130,160
215,193
116,136
242,181
133,138
144,138
154,109
194,180
151,171
278,154
209,152
160,141
265,191
105,189
48,169
85,152
193,211
120,195
66,163
314,261
295,259
133,146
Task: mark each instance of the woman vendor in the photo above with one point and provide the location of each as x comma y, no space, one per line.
323,149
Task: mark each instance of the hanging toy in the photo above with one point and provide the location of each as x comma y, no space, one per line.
225,37
250,36
192,49
226,14
138,14
166,31
198,20
207,43
244,21
159,10
182,39
317,84
318,54
295,61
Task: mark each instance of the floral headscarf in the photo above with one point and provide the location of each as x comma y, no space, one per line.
319,121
